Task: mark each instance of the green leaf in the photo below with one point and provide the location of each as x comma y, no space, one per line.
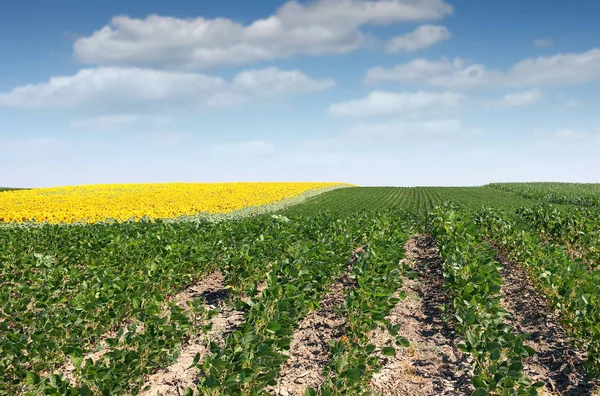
479,392
530,350
32,378
272,327
495,354
76,356
388,351
195,361
353,374
479,383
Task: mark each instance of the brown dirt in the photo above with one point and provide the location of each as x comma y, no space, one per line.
432,364
309,349
556,362
174,380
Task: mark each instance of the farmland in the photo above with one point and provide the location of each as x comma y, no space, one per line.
121,202
351,291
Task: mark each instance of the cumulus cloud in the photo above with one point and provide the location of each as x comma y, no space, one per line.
121,88
382,103
422,37
544,42
275,82
318,27
419,69
114,85
557,70
520,99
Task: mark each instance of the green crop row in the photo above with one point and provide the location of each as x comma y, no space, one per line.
65,287
416,200
377,276
471,274
253,356
576,229
570,287
582,194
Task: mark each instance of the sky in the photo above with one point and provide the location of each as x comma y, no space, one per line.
370,92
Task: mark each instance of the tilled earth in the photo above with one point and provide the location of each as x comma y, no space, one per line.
432,364
556,362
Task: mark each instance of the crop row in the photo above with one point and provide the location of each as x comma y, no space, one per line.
569,286
377,276
471,274
582,194
64,288
416,200
253,355
576,229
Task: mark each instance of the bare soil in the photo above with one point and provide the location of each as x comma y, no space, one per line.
309,349
557,362
432,364
174,380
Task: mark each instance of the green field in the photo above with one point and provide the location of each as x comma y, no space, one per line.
581,194
415,200
107,308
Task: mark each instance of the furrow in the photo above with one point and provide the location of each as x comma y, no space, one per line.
432,364
557,363
309,348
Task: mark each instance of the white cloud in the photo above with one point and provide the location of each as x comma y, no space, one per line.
249,148
115,85
431,130
416,70
558,70
119,89
318,27
381,103
422,37
520,99
543,42
275,82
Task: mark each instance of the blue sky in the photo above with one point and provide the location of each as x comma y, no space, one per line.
372,92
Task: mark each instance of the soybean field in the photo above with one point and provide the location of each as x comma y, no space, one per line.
300,289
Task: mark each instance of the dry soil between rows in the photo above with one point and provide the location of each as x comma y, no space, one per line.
173,380
557,362
432,364
309,349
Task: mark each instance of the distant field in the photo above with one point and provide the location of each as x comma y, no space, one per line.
582,194
122,202
412,199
